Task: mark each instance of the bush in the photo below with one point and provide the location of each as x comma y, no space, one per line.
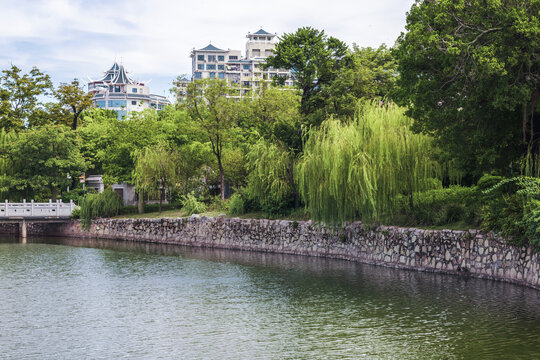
531,222
192,205
440,207
105,204
236,205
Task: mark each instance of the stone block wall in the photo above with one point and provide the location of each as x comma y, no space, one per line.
467,253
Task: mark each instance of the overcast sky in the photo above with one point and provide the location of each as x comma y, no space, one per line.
153,38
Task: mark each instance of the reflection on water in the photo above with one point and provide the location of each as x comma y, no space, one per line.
106,300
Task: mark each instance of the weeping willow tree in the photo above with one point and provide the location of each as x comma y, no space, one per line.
271,180
156,170
6,163
357,169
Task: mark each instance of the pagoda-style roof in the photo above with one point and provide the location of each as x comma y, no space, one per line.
210,47
262,32
116,75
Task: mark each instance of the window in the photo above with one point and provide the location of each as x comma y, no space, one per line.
234,57
212,75
268,52
211,58
221,67
246,83
221,75
121,114
221,58
246,67
160,107
200,66
200,57
198,75
211,67
133,102
134,90
117,103
117,89
256,52
100,103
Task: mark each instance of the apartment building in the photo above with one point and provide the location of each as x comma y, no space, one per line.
246,71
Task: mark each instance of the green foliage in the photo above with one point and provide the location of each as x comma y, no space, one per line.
215,115
104,204
73,98
508,208
156,170
469,73
43,157
356,170
236,205
192,205
270,180
531,222
314,58
19,96
437,207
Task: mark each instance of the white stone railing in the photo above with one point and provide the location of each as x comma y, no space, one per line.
32,210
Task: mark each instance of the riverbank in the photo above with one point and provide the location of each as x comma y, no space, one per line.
463,253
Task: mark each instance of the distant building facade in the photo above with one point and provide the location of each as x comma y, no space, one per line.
117,91
211,62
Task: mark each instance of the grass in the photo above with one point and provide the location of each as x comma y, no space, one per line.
297,215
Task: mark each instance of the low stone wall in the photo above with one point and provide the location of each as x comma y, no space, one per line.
467,253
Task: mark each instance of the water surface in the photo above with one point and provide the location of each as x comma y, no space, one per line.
80,299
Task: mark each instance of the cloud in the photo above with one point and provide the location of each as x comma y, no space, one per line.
71,39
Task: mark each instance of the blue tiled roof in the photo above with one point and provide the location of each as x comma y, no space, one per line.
211,47
262,32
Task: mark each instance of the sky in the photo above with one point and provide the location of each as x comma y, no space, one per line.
70,39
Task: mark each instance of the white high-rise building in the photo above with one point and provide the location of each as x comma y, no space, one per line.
214,63
117,91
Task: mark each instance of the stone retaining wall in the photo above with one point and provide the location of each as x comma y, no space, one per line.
467,253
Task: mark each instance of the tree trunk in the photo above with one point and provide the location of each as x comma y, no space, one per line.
524,124
140,203
54,193
161,191
222,174
74,125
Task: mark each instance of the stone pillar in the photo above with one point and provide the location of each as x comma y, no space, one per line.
22,231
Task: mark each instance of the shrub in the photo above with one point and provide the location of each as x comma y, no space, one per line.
192,205
531,222
236,205
440,207
104,204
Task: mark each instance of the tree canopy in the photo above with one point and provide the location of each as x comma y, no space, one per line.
469,75
313,59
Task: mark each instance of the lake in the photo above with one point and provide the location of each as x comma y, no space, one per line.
66,298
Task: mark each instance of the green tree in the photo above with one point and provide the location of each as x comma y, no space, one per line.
209,104
357,169
469,75
74,98
314,59
365,73
272,158
44,156
156,170
19,95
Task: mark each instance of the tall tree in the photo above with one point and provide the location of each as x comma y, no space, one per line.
314,59
44,156
73,97
216,113
357,169
469,74
156,170
19,95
